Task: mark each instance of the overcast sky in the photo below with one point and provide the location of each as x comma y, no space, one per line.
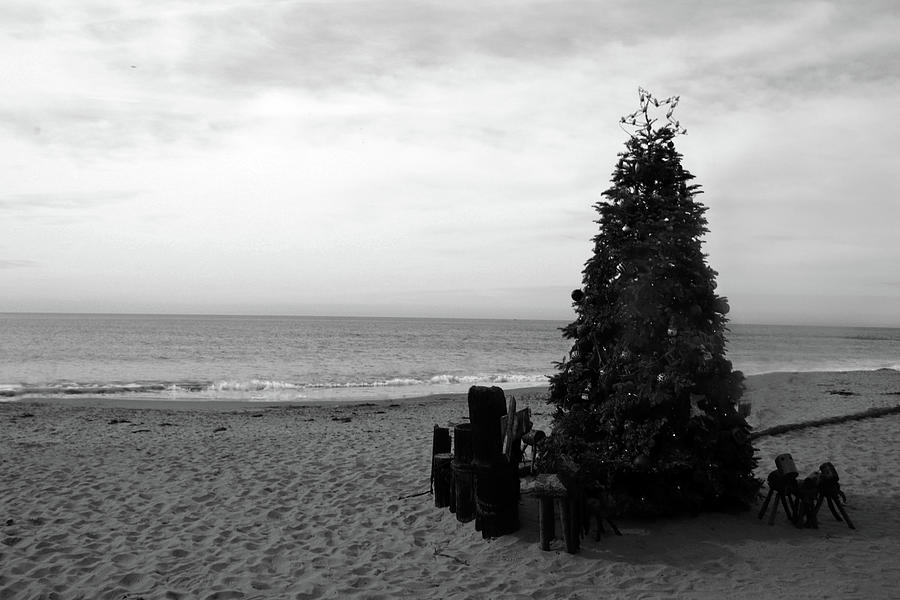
435,158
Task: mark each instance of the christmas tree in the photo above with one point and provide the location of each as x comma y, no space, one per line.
646,402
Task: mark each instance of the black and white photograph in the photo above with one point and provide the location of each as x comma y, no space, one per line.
425,299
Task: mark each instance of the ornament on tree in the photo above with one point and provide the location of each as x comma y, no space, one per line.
721,306
641,462
577,295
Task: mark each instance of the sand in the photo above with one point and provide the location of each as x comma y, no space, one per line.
108,499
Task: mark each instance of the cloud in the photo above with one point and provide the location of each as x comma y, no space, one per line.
300,146
63,200
12,263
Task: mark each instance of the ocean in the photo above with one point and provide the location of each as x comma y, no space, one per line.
284,359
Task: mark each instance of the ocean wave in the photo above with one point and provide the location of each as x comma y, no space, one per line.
257,388
253,385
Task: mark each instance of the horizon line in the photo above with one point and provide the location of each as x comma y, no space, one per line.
415,318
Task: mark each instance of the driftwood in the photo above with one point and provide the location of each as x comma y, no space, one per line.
508,426
866,414
515,430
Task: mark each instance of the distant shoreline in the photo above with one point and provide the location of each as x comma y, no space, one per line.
789,382
561,319
87,401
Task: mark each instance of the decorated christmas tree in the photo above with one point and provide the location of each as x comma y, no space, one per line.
646,401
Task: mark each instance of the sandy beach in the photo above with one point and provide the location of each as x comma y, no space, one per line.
113,499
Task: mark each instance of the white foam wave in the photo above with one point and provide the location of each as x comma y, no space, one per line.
253,385
270,389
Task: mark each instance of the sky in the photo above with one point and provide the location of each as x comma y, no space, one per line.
435,158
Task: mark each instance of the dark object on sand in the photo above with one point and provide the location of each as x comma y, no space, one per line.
830,490
440,441
440,444
462,443
783,486
802,500
496,480
463,501
443,479
805,502
486,407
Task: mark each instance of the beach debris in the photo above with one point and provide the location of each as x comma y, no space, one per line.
415,495
437,552
167,424
117,421
870,413
140,431
342,419
25,415
10,522
218,429
841,393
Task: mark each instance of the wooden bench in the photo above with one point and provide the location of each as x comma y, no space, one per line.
553,496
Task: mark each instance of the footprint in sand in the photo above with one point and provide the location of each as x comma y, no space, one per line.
225,595
218,567
125,559
131,579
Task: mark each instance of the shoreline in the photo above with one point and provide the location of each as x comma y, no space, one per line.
753,384
113,401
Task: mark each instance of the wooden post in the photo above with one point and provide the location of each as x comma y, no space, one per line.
442,479
571,530
510,428
464,491
547,521
496,482
486,407
463,474
462,443
440,444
